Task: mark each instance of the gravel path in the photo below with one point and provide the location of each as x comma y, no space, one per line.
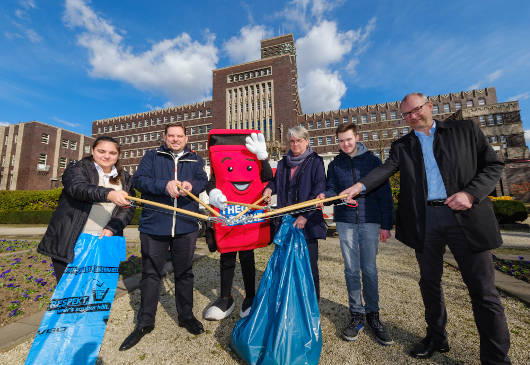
402,312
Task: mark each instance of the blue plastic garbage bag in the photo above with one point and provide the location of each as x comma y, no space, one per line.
283,326
74,323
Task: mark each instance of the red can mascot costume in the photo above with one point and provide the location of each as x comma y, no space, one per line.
239,170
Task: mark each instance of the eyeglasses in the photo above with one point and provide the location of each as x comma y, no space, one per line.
413,111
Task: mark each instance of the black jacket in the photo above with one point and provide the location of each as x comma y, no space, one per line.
466,162
80,191
156,169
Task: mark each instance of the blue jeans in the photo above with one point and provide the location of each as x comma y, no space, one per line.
359,244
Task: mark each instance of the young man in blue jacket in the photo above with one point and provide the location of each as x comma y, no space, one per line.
360,230
164,175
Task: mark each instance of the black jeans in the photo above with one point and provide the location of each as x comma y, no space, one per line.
477,271
248,269
312,247
154,254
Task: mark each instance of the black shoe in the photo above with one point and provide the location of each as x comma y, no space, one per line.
135,337
192,325
356,325
210,239
378,329
426,348
246,306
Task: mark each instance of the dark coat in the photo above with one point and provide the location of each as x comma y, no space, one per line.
156,169
80,190
308,181
466,162
375,207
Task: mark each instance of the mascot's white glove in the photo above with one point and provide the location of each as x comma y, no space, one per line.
255,143
217,199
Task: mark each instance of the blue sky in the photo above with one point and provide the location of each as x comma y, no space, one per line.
70,62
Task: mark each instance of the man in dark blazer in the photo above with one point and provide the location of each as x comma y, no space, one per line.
447,169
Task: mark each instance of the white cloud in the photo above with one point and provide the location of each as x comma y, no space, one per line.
247,46
494,75
476,85
156,107
180,67
321,90
307,12
32,35
4,124
320,52
522,96
527,137
65,122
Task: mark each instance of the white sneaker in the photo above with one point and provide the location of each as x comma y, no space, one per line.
246,306
220,309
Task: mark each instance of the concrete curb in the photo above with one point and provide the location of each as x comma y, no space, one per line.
15,333
505,283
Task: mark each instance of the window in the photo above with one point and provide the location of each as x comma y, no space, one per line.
105,129
133,139
435,109
201,113
377,153
179,117
311,142
128,125
365,136
493,139
405,130
482,120
499,119
320,141
45,138
458,105
309,125
336,139
373,117
62,162
328,139
99,129
354,119
87,149
469,103
13,159
363,119
383,116
491,121
328,123
481,101
345,120
193,130
185,116
385,133
375,136
447,109
395,133
201,128
393,114
133,124
387,153
140,123
503,139
336,122
126,154
152,136
42,159
319,124
192,115
65,143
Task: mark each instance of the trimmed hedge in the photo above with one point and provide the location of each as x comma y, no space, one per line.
26,216
509,211
29,200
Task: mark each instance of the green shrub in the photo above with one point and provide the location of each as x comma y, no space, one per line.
509,211
25,216
29,200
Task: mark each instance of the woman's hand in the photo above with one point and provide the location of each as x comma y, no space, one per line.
300,222
118,197
106,233
267,193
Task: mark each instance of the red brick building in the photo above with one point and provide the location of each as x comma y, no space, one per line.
34,155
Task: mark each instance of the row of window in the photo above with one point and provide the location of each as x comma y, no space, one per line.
153,121
319,141
234,94
249,74
43,158
267,127
491,120
497,139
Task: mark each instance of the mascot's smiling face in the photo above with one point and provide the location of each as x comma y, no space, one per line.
237,173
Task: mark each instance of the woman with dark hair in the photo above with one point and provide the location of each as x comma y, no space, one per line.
92,201
301,176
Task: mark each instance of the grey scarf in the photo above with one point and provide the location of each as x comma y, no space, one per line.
293,161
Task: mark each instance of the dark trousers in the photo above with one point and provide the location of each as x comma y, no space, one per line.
58,268
248,269
154,255
478,274
312,247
